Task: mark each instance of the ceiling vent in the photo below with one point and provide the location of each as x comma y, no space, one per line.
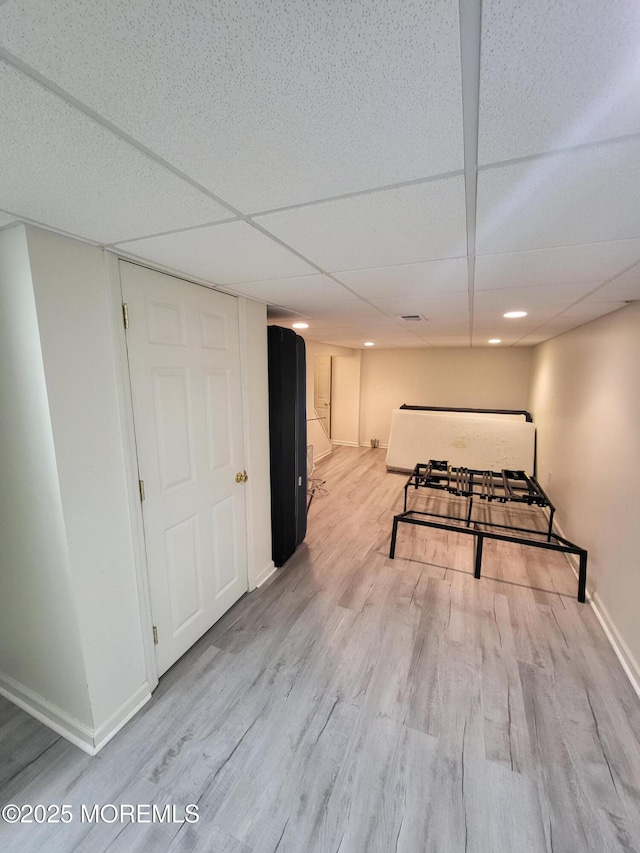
411,318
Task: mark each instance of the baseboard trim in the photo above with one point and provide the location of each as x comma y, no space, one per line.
345,443
45,712
379,447
64,724
265,574
622,651
119,719
322,456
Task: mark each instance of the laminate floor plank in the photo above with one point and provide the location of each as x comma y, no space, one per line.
358,704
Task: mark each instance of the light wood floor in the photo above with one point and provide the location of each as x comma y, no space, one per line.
359,704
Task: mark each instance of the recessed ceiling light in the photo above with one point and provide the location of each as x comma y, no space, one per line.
495,341
369,344
513,314
300,326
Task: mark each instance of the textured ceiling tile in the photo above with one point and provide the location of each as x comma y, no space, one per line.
451,306
626,287
563,265
417,223
566,199
449,341
584,311
348,313
408,279
300,292
230,253
557,73
268,104
62,169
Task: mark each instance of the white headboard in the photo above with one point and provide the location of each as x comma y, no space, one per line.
485,441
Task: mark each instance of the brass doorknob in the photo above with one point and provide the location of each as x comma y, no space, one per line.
242,477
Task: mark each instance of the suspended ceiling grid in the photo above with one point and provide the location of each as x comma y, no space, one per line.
345,163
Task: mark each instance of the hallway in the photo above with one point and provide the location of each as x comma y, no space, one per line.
363,705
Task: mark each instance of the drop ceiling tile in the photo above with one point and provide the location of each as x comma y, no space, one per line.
401,226
230,253
362,335
450,341
562,265
295,100
408,279
62,169
348,313
542,88
483,341
584,196
536,301
534,339
300,293
356,343
624,287
449,305
583,312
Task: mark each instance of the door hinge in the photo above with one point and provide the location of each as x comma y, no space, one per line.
141,487
155,636
125,314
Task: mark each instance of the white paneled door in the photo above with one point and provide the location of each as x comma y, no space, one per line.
184,365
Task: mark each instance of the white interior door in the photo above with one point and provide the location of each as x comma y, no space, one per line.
322,391
184,365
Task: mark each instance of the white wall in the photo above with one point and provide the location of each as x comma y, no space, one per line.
315,432
74,629
479,378
41,662
585,398
81,362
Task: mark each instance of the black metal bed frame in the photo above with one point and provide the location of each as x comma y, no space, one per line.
506,486
526,415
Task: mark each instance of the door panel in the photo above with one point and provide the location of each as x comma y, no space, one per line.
185,377
322,391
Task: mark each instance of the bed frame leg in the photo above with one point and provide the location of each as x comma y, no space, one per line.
394,533
582,577
479,542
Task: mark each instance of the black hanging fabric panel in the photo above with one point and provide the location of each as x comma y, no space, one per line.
288,441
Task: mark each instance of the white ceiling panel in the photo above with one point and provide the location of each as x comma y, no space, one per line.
449,341
535,338
584,196
368,333
557,73
408,279
562,265
62,169
624,287
584,311
224,254
348,313
407,225
297,292
177,131
450,305
530,299
268,104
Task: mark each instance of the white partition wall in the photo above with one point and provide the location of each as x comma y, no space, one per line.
75,631
585,400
